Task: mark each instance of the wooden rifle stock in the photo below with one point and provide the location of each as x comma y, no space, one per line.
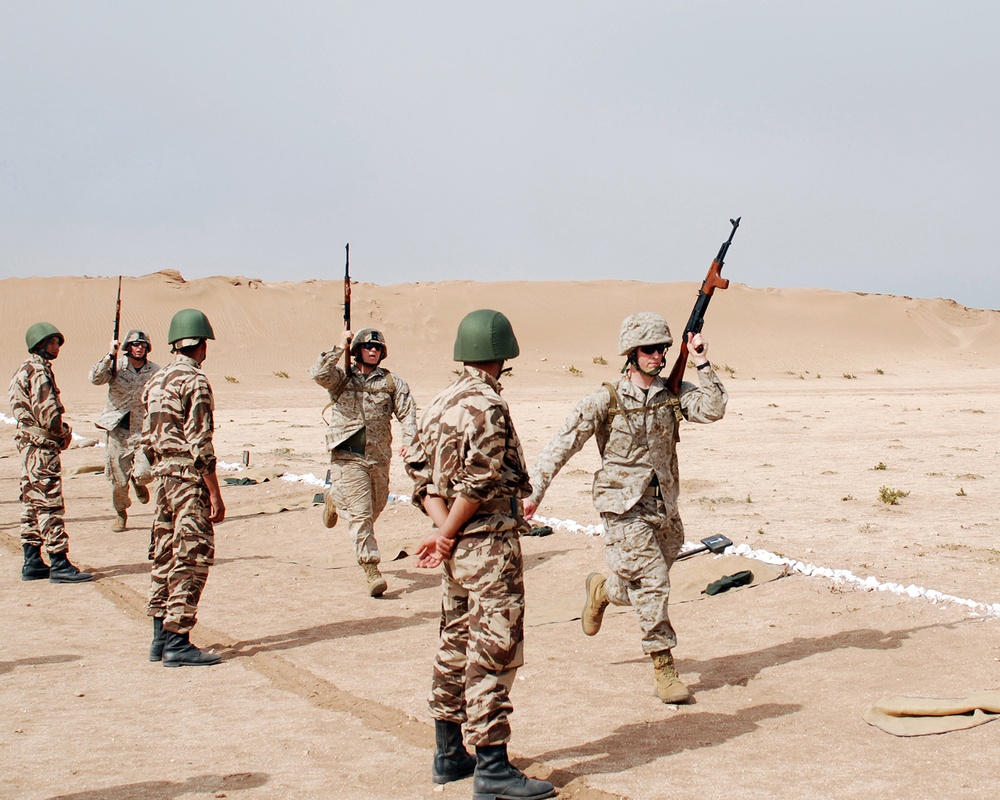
118,324
347,306
713,280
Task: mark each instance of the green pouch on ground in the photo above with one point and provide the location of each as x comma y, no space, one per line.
728,582
544,530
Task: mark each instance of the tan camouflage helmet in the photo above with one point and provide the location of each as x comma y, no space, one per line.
135,335
643,328
366,335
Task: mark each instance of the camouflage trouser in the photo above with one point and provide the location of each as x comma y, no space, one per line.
482,636
42,499
360,489
640,547
118,467
182,548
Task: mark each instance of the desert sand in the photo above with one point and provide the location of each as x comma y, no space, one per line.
322,691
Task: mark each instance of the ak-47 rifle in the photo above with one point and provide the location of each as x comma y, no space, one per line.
347,306
118,324
712,282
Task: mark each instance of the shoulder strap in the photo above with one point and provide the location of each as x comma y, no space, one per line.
615,405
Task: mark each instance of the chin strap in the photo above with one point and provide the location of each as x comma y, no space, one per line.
633,362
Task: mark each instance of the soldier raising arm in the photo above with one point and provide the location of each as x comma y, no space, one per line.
635,422
363,401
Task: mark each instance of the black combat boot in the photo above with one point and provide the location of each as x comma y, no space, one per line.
452,761
156,648
497,779
179,652
34,569
62,571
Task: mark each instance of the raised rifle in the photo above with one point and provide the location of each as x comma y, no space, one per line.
118,324
712,282
347,306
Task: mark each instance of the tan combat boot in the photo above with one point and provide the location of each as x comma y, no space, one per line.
120,522
329,510
596,602
667,684
376,583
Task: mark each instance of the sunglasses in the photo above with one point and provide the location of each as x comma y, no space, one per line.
371,346
649,349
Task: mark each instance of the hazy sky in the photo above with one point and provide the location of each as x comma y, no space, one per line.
505,141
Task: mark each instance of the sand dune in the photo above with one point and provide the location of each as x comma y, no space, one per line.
264,328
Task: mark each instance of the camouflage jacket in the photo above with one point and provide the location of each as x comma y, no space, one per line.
35,404
177,432
466,444
637,441
365,401
124,392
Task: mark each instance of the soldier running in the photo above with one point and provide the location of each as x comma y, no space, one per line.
635,422
177,450
41,436
122,419
469,477
363,401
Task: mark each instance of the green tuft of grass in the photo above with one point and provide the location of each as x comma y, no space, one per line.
880,465
600,360
891,497
232,379
280,374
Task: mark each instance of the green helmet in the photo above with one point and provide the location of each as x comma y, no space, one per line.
189,327
39,332
135,335
643,328
365,336
485,335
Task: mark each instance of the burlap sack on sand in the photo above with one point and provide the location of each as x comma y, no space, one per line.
921,716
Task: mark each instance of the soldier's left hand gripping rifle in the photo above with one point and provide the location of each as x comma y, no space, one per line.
118,324
712,282
347,306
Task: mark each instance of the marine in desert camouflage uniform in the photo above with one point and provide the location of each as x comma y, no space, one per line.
178,452
636,422
123,416
41,436
363,401
469,478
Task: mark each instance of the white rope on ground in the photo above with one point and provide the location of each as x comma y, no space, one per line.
840,576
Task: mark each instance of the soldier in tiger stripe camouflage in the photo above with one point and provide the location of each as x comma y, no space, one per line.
470,477
179,454
363,401
41,436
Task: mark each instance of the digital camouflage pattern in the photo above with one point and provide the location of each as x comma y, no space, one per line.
41,435
122,419
359,487
635,490
177,440
636,443
466,444
644,327
359,483
640,546
361,401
